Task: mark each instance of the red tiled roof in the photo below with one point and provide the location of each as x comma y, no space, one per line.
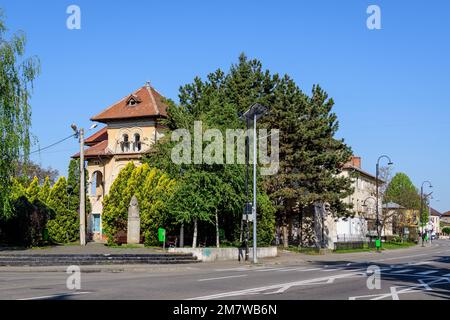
149,103
349,166
446,214
97,137
100,149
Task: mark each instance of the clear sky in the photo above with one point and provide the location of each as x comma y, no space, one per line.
391,86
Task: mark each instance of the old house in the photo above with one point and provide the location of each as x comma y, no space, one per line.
131,126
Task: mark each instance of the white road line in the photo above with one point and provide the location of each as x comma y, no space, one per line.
329,270
233,269
311,269
402,271
427,272
55,296
446,275
220,278
283,286
291,269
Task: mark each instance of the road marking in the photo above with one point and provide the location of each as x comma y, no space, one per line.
55,296
427,272
233,269
446,275
281,287
330,270
401,257
220,278
402,271
312,269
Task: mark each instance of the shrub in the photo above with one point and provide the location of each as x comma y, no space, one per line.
151,187
65,225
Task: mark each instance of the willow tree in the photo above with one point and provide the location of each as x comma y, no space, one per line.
17,74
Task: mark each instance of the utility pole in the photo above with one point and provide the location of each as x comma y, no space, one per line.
378,223
82,192
255,258
421,210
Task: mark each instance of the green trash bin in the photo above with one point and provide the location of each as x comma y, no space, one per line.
378,243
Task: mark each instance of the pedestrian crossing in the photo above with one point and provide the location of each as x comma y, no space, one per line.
416,269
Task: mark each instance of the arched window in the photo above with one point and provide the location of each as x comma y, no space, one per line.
125,143
137,142
97,184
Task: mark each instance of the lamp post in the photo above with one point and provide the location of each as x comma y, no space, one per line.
255,112
366,206
421,208
79,133
377,194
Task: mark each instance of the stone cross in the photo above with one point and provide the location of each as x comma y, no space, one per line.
134,222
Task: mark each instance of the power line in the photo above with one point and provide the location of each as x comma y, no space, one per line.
53,144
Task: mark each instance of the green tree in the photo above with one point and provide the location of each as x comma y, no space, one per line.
17,75
115,204
446,230
152,189
65,226
44,193
310,156
73,186
33,190
402,191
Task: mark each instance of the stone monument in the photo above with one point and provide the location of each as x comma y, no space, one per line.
134,222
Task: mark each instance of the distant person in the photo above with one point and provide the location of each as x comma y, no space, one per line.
242,250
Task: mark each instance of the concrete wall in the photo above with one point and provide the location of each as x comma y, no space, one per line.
221,254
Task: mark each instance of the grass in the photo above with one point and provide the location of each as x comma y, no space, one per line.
384,246
309,251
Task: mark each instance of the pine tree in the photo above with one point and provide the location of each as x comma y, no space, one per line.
73,186
65,226
44,193
310,156
115,204
33,190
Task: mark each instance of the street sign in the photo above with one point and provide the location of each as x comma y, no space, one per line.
162,235
248,211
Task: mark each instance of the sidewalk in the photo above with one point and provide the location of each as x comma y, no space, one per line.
90,248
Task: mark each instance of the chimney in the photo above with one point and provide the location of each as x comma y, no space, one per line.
356,162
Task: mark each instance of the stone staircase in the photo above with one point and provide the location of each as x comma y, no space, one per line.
22,260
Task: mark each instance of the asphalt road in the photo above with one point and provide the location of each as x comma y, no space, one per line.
414,273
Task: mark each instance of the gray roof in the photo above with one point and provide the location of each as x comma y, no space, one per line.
392,205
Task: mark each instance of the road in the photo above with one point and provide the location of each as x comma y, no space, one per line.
413,273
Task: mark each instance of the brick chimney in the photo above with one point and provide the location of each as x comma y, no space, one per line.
356,162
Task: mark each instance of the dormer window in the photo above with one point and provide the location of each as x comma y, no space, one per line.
133,101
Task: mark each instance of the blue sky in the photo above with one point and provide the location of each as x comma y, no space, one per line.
390,86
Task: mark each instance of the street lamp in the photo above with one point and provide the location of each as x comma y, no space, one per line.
255,112
79,133
377,196
421,208
366,206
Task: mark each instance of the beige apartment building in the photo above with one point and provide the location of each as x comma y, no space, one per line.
363,223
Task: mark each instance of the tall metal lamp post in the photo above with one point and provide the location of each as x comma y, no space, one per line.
255,112
366,206
421,208
377,195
